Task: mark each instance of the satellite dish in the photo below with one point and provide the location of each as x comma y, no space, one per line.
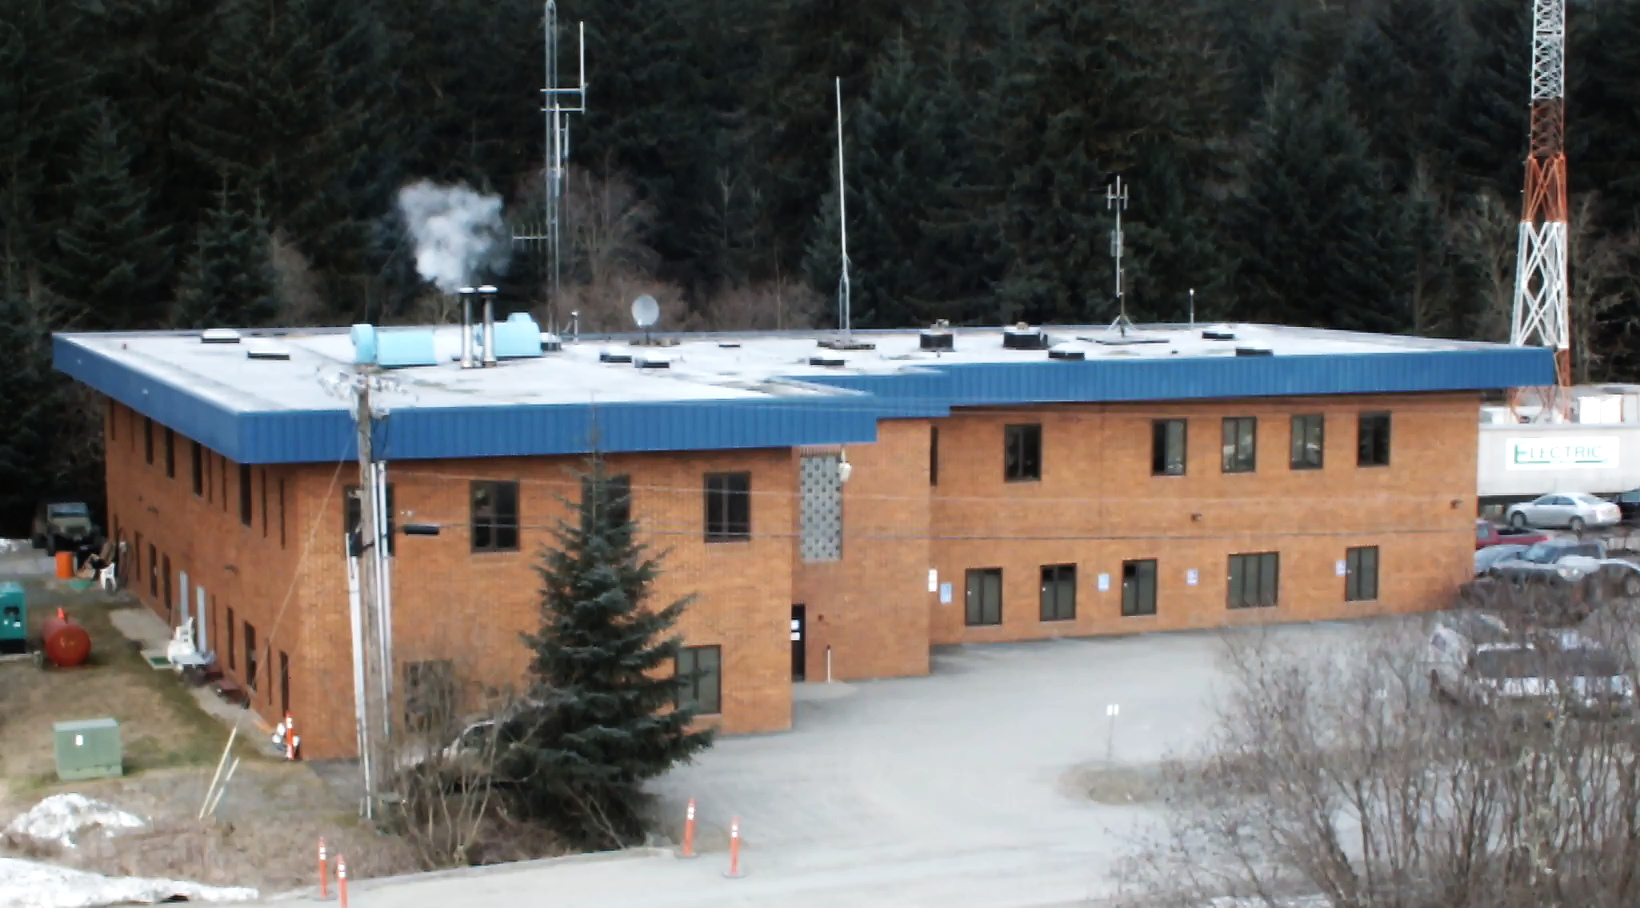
645,311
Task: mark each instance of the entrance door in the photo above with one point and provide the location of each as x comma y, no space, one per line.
799,631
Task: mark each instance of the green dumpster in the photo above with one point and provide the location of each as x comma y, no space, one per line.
13,618
88,749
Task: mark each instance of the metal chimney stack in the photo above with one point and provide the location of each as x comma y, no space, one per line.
466,326
489,324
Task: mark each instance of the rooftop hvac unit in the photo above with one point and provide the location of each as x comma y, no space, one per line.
1068,353
936,340
652,359
1254,351
219,336
1218,333
823,359
392,349
614,355
1024,337
519,337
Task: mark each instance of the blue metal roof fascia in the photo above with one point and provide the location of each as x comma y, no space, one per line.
921,394
983,384
180,409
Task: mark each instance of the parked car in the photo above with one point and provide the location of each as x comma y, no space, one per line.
60,525
1486,558
1547,553
1488,534
1628,504
1476,660
1572,510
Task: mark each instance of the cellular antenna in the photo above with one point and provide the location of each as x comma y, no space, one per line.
1541,311
558,102
842,222
1116,198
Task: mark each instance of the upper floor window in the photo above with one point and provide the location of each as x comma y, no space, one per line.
1167,447
728,507
1308,441
495,515
1022,459
1373,440
1240,444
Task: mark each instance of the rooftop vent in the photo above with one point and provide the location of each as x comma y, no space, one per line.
219,336
1125,340
938,337
392,349
267,351
653,359
1219,333
845,343
519,337
1254,351
1024,337
730,345
551,343
614,355
1067,352
825,360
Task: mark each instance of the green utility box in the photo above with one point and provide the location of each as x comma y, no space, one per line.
13,618
88,749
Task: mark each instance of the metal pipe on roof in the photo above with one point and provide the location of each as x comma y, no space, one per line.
489,323
466,326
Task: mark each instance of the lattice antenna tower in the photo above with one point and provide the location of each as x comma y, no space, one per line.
1116,199
558,102
1541,314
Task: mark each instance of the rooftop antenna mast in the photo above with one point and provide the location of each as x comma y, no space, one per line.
842,223
558,102
1116,198
1541,311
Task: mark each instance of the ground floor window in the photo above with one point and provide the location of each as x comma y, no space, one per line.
1255,580
1361,574
700,679
1058,592
1139,587
984,597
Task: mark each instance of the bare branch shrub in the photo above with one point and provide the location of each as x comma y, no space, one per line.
295,289
1335,776
780,305
605,305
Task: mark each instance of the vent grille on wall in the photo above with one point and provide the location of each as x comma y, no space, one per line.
820,520
826,360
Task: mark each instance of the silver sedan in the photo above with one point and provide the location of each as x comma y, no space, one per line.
1573,510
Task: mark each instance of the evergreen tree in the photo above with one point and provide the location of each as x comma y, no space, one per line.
1491,103
1603,136
1402,73
1323,243
28,400
111,261
605,717
228,281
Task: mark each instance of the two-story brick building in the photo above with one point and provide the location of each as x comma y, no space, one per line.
1002,486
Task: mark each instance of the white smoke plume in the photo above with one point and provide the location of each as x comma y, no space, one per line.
457,231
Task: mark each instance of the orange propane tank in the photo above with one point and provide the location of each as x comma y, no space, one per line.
65,643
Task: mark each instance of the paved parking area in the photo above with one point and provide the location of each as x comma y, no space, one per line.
949,790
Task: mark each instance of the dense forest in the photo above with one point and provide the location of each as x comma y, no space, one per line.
1345,163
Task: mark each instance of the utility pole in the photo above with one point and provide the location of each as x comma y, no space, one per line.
373,757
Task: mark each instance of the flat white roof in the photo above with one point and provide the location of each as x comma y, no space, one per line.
704,367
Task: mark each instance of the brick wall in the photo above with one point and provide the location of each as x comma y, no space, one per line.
1097,505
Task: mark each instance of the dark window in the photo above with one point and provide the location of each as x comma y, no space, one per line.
1058,592
262,474
1373,440
250,656
353,514
933,455
1240,444
245,494
495,516
984,597
617,503
1255,580
148,440
281,513
196,457
1167,447
700,679
1361,574
230,639
430,695
728,507
170,454
1022,461
113,415
165,580
1309,441
1138,588
210,482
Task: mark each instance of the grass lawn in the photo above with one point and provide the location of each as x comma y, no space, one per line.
161,725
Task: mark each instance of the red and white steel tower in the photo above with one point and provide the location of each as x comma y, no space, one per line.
1541,314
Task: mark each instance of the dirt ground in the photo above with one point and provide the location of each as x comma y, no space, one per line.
267,825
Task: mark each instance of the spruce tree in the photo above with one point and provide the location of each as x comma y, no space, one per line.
28,399
111,260
1323,243
228,280
606,716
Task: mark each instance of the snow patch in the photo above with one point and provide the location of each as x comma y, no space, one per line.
28,884
62,817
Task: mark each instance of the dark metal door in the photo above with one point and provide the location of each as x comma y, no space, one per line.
799,632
